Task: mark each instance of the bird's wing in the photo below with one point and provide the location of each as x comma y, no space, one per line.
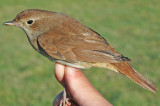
78,43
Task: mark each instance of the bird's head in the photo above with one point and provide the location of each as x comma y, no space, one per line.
34,22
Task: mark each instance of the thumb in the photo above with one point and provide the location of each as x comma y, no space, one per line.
81,89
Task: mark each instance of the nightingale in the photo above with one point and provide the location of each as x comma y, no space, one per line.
65,40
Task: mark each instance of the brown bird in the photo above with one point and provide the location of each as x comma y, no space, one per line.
63,39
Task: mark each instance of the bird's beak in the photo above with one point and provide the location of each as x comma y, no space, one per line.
10,23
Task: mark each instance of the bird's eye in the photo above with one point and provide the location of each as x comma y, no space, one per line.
29,21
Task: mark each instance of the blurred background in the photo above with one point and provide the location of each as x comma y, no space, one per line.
130,26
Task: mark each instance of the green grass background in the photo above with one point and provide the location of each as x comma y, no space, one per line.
131,26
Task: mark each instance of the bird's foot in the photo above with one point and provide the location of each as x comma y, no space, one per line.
65,100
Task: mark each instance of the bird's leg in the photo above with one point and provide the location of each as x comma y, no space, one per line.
65,100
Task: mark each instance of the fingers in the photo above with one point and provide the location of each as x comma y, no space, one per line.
81,89
59,72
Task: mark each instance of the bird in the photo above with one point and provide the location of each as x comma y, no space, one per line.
65,40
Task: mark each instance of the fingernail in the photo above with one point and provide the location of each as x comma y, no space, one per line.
72,69
71,73
58,99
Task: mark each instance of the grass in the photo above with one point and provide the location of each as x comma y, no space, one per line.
132,27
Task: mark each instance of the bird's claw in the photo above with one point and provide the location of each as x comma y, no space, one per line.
65,102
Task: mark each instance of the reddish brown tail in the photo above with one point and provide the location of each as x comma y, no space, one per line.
126,69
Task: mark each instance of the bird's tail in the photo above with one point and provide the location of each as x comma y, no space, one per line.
126,69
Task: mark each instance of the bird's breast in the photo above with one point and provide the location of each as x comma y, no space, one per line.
34,44
39,49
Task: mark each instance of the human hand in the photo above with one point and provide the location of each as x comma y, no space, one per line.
82,91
